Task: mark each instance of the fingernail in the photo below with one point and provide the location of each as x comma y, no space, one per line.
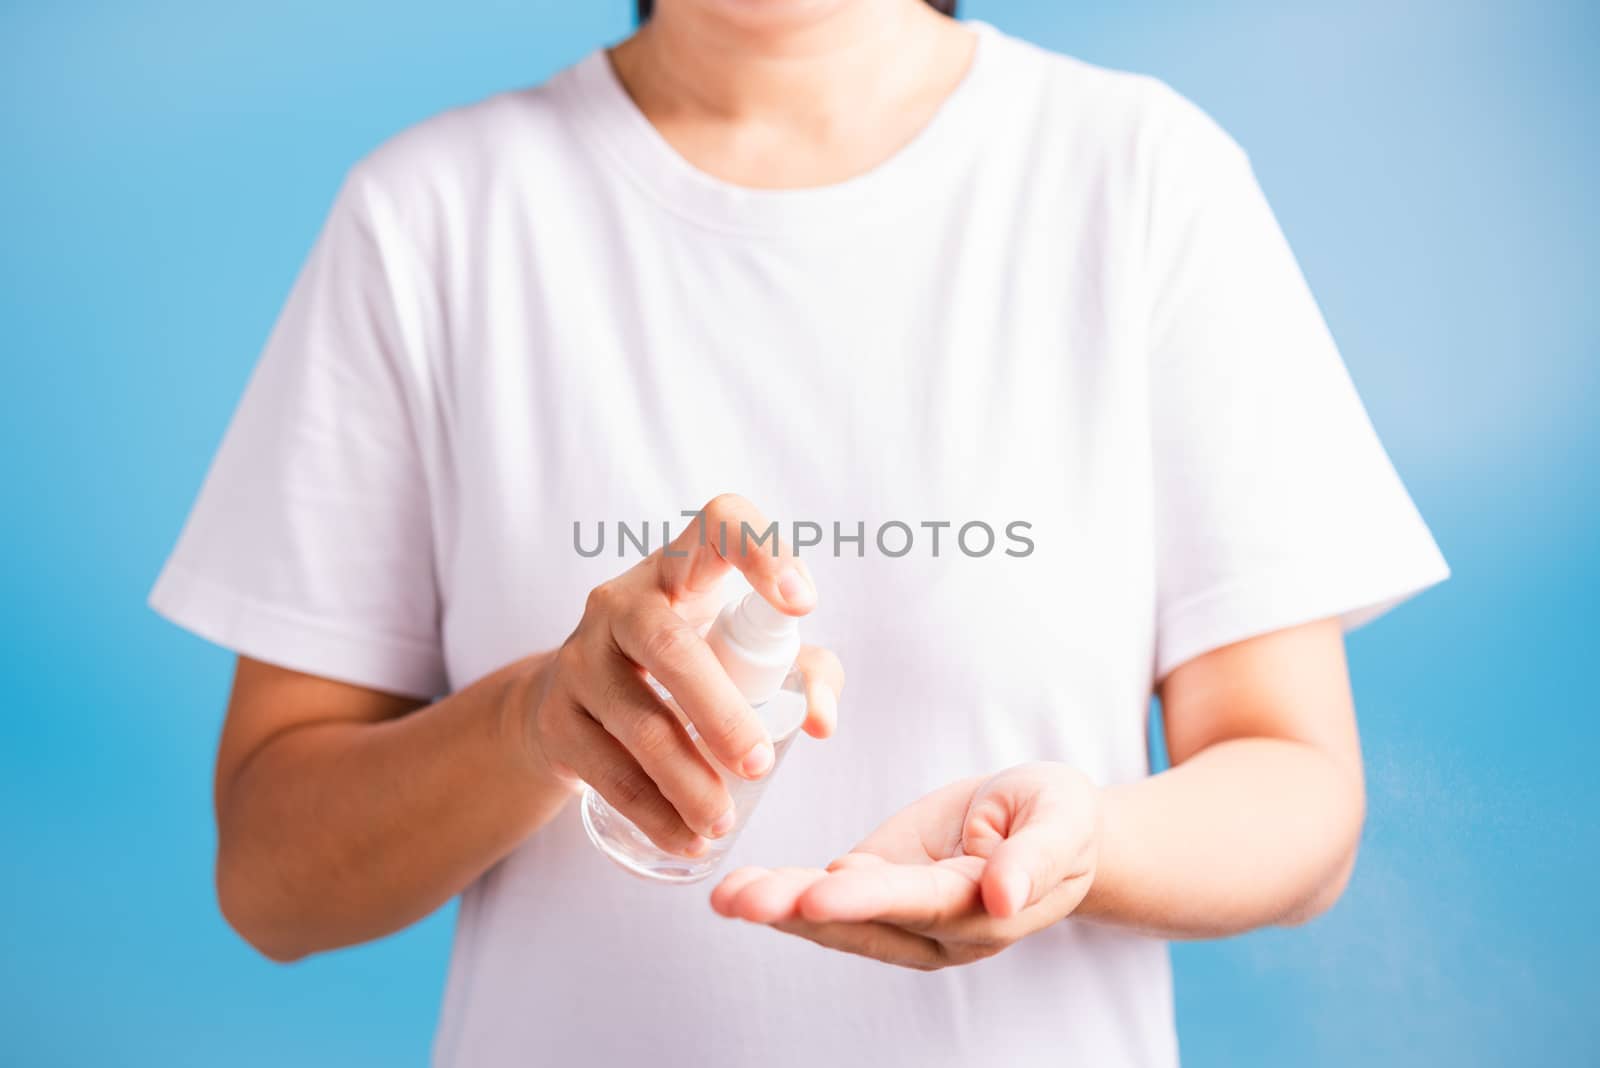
724,823
757,762
697,847
796,589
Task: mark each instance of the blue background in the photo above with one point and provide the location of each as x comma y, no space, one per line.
166,165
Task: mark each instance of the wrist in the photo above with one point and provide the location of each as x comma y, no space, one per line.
1098,899
516,710
1091,799
1093,849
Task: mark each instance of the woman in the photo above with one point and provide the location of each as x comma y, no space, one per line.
894,279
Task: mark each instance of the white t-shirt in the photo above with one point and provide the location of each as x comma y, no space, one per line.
1065,304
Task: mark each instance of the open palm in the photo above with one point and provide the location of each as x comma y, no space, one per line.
955,876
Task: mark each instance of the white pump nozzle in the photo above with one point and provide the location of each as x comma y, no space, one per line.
756,645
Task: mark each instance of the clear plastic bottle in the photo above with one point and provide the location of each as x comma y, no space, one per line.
757,645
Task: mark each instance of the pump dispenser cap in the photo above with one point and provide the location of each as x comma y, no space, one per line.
756,644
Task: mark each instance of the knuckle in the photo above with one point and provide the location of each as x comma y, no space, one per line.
655,734
613,699
727,725
569,659
602,600
709,803
726,506
669,645
629,786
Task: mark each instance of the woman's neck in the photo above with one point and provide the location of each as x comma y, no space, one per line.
791,98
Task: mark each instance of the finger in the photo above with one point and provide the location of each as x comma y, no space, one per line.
600,760
1026,867
631,712
914,896
824,677
925,830
879,941
772,897
723,895
1032,832
731,532
657,639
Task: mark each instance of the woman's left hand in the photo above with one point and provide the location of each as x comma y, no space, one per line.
954,877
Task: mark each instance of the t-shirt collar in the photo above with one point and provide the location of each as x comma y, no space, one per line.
610,118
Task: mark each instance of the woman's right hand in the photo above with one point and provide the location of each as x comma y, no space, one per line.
593,717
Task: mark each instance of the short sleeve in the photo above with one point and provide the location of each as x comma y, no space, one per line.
310,545
1274,501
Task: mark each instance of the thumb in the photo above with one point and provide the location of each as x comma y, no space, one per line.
1033,824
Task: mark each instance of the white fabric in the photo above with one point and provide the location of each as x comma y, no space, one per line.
1066,303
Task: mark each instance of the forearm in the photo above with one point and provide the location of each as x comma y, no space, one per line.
335,833
1246,833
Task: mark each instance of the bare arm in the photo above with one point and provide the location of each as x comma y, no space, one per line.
344,814
1258,820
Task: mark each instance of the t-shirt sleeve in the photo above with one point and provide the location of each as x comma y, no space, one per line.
1275,503
310,545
